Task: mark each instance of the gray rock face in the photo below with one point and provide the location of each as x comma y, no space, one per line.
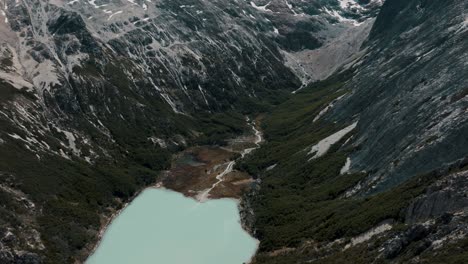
317,37
28,258
10,257
177,47
448,195
320,63
409,92
436,219
396,245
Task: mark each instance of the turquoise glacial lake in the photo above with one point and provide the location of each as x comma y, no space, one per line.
164,227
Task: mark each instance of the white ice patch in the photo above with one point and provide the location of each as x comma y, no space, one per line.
93,3
322,147
158,141
16,81
46,75
342,19
328,107
346,167
166,97
4,15
349,4
369,234
13,74
463,27
261,8
114,14
71,140
271,167
3,9
62,153
290,7
203,94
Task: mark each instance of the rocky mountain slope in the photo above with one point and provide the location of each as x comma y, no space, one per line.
184,57
369,165
318,36
96,95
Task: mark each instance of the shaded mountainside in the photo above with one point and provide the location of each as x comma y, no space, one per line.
410,95
370,165
96,97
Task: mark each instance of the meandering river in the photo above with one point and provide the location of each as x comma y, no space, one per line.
203,196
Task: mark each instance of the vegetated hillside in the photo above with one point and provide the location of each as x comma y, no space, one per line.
53,204
97,95
371,164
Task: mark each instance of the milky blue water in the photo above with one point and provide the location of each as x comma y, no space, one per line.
164,227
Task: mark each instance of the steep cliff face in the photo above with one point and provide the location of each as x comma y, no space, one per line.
409,95
368,164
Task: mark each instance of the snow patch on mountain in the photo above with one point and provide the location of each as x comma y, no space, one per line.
345,169
327,108
322,147
261,8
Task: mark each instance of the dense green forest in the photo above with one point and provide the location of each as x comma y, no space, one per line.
71,195
300,203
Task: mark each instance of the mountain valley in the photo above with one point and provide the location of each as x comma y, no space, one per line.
362,107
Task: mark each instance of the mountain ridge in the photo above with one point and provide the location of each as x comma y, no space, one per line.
96,96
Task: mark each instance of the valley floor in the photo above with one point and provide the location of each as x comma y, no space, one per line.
205,172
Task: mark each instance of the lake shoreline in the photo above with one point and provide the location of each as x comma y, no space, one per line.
236,202
160,185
